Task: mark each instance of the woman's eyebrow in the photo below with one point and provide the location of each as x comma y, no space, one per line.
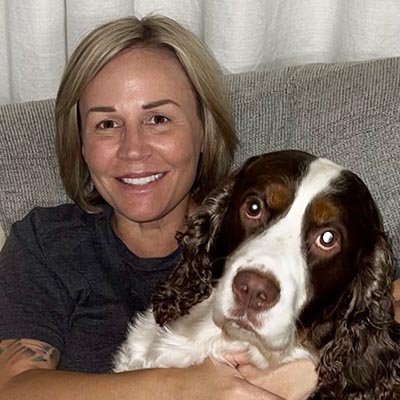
158,103
101,109
146,106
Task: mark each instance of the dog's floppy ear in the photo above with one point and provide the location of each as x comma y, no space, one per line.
190,281
363,359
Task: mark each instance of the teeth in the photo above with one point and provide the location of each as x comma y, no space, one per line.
142,181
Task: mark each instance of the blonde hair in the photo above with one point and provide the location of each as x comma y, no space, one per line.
102,45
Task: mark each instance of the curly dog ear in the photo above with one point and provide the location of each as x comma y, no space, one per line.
190,281
362,361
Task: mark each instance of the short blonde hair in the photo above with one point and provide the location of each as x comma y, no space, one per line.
102,45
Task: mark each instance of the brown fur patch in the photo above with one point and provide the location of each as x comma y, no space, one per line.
324,211
278,196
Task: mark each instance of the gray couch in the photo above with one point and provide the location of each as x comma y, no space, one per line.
348,112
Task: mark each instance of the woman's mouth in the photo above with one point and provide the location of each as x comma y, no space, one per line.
142,180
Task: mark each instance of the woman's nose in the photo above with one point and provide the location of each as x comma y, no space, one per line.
134,144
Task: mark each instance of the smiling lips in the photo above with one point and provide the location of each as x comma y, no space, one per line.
142,180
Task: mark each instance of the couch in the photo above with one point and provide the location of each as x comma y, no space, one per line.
348,112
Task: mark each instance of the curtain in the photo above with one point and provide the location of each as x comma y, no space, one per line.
37,36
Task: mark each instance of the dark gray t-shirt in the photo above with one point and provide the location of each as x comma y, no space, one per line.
68,280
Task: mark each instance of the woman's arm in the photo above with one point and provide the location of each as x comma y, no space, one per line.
27,370
25,365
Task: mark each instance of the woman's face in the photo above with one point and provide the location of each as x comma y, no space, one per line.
142,135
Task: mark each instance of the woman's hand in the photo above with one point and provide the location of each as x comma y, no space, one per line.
212,380
296,380
293,381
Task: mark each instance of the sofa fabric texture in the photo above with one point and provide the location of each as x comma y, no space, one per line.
347,112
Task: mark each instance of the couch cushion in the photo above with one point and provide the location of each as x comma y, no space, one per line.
348,112
28,164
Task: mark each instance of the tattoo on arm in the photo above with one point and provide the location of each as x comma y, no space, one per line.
23,354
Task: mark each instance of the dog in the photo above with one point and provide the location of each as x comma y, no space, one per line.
287,259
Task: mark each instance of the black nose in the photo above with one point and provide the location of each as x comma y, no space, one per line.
255,290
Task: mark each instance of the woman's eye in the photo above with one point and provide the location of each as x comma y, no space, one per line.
107,124
326,240
158,119
254,208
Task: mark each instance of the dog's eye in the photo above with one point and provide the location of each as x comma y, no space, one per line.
254,208
327,240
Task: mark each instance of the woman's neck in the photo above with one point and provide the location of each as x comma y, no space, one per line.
152,239
148,242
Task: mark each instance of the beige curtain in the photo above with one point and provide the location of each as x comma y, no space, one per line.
36,36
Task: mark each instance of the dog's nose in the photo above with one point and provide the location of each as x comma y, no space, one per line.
255,290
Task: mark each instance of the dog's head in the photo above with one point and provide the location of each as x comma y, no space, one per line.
289,242
292,244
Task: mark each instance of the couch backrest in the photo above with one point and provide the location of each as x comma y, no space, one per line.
348,112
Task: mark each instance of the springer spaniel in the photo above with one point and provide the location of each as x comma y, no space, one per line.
286,260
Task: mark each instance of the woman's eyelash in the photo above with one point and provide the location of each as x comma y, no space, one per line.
158,119
107,124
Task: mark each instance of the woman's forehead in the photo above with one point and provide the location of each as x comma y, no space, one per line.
138,70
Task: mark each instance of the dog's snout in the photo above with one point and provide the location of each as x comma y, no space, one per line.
255,290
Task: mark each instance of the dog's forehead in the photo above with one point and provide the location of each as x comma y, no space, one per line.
294,187
318,179
289,168
290,164
312,191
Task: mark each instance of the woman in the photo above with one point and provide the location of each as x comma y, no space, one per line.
143,133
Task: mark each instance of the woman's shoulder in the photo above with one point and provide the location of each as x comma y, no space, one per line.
63,239
55,226
63,217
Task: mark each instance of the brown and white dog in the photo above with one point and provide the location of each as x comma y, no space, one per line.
286,260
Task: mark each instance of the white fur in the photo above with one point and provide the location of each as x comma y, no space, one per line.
210,330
